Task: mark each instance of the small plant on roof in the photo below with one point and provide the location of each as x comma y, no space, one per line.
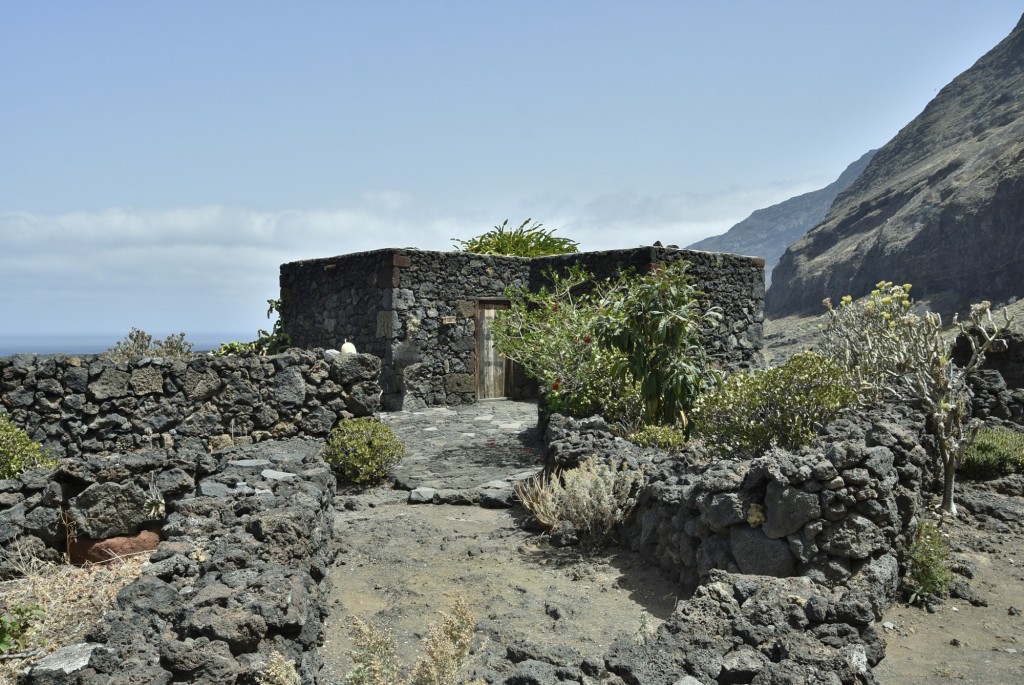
525,241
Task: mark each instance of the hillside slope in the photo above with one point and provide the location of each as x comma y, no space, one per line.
941,205
768,232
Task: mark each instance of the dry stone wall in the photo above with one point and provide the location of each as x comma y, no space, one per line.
791,557
84,405
239,574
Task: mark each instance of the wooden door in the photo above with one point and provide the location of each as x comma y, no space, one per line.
493,371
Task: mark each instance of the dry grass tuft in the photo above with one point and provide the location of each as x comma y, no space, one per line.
593,498
72,600
446,652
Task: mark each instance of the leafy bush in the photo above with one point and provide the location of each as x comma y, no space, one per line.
655,322
668,438
994,453
784,406
266,343
139,343
550,334
524,241
446,649
928,571
18,452
591,498
893,353
362,451
15,621
629,348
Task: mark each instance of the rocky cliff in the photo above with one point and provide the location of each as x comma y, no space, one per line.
941,205
769,231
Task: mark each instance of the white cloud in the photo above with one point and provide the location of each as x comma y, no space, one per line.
211,268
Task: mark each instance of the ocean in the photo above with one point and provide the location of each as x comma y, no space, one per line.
95,343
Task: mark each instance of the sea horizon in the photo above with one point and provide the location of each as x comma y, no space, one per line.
95,343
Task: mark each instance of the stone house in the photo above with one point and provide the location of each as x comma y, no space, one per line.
426,314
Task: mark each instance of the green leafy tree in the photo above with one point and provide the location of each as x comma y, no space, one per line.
655,322
896,354
627,348
525,241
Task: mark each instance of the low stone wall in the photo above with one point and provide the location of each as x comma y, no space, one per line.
831,523
239,573
999,385
83,405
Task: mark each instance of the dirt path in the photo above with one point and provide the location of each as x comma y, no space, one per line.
977,639
402,565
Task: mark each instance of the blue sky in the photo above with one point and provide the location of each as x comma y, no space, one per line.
160,160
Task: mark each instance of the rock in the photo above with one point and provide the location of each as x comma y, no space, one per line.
63,666
758,554
788,509
106,510
201,660
148,594
855,537
240,628
111,383
422,495
86,551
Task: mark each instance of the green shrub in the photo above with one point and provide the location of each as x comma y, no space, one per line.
18,452
550,334
994,453
592,498
928,571
524,241
362,451
668,438
628,348
139,343
784,406
655,322
15,621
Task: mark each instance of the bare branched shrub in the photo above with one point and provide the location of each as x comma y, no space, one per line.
592,498
138,343
446,648
893,353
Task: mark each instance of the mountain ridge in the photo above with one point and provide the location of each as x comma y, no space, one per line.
941,205
769,231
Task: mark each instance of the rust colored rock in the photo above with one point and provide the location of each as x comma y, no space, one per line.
98,551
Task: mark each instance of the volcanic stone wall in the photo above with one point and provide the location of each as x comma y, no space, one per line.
82,405
246,542
791,556
417,309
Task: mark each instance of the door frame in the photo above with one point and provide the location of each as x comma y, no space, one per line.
481,304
